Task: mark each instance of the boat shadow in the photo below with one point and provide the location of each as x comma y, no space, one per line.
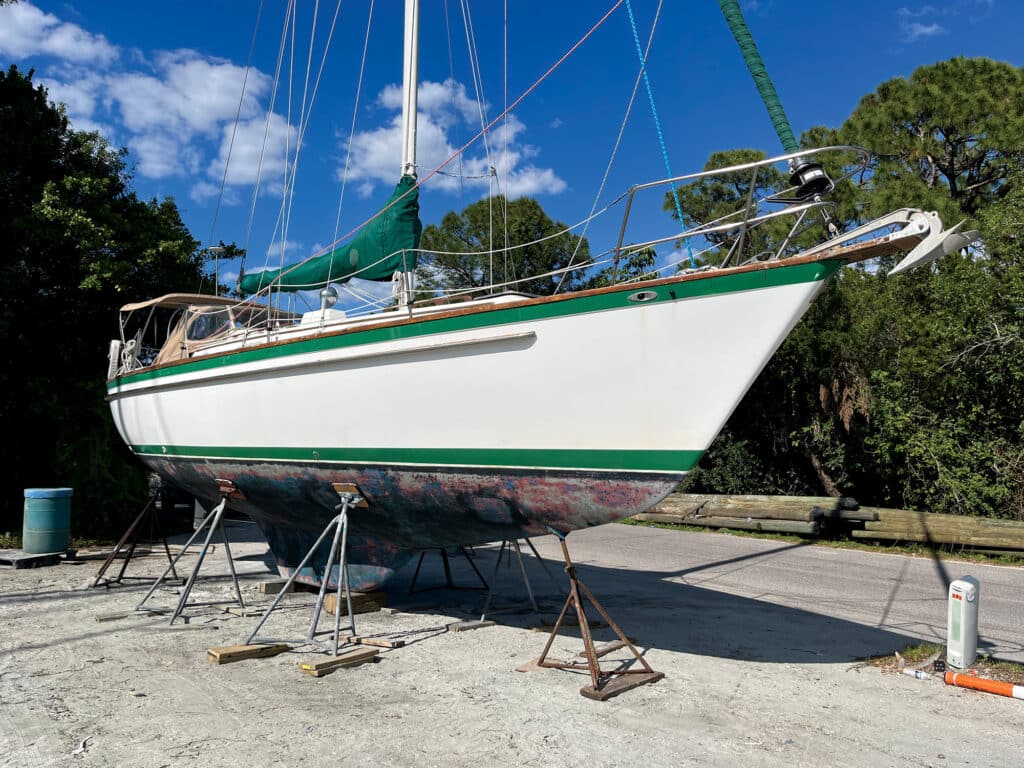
653,607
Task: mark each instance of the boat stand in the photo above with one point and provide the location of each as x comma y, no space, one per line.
604,683
448,583
213,521
130,539
350,497
506,550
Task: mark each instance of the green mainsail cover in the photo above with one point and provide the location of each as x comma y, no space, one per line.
373,254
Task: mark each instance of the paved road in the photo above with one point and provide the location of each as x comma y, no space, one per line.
856,602
736,597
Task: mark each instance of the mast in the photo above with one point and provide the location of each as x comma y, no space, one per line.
410,81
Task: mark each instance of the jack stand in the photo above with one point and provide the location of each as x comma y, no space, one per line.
213,520
448,583
509,544
350,497
130,539
604,685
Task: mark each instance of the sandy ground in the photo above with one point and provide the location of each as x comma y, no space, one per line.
749,681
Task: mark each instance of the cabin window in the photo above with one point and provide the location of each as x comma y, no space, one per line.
208,323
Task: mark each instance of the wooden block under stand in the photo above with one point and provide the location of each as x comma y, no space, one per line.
351,658
273,587
362,602
620,684
229,653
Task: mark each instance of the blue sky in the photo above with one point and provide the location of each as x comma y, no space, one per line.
164,80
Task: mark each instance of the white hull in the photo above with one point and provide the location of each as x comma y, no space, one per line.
469,425
661,376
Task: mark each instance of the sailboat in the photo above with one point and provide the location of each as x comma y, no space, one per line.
400,402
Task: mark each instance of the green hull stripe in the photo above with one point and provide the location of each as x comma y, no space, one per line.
644,461
687,289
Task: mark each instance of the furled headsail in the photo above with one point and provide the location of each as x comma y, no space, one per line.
375,253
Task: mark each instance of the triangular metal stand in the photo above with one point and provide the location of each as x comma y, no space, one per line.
604,683
338,530
446,564
125,547
507,546
213,521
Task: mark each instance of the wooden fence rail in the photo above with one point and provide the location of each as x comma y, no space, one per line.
843,516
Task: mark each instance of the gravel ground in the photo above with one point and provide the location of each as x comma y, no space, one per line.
749,681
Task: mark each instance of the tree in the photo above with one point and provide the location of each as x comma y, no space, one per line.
461,249
945,138
636,266
723,199
908,391
77,245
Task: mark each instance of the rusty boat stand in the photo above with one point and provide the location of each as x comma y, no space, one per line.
214,522
350,498
605,683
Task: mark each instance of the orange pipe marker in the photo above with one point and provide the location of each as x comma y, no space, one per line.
963,680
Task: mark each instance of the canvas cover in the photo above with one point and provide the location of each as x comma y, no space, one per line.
373,254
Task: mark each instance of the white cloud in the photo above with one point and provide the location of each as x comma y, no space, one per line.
915,25
376,153
82,98
247,149
287,246
173,110
27,31
159,155
188,94
438,100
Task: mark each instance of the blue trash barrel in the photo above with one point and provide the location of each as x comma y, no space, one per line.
47,525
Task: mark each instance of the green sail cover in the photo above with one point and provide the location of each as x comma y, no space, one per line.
373,254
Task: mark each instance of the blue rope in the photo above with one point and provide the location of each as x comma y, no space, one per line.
657,125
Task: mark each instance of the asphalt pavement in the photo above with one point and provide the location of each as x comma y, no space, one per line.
858,601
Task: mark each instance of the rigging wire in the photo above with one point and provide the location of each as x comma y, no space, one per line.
231,141
288,199
657,122
290,172
287,140
506,167
478,89
266,134
421,181
352,127
615,147
455,110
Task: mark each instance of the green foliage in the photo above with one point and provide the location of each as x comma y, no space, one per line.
77,245
460,248
637,266
944,139
710,198
716,199
908,391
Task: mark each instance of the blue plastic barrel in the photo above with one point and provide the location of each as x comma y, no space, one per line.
47,526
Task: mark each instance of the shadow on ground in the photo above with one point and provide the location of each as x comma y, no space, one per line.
649,606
